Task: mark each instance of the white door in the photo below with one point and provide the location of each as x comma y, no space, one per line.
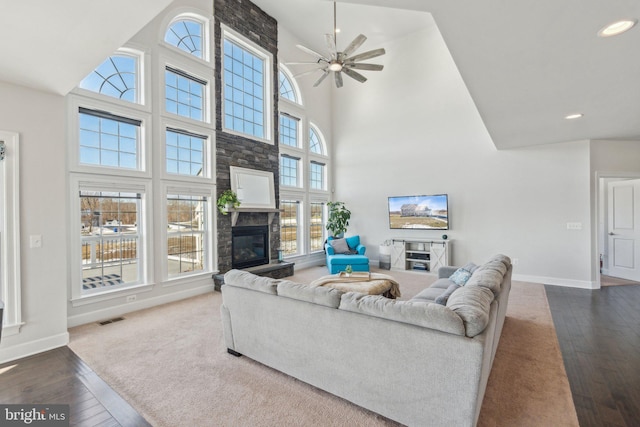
624,229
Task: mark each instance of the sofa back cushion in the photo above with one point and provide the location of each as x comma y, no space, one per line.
472,304
420,313
322,295
244,279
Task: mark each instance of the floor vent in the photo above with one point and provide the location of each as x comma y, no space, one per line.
106,322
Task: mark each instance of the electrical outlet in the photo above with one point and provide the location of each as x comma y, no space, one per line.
131,298
574,226
515,261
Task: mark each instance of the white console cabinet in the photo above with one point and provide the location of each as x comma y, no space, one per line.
420,254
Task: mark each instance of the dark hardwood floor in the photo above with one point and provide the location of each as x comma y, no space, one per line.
599,336
60,377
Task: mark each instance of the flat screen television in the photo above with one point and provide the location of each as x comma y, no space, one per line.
429,212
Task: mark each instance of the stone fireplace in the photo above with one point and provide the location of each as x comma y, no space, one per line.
249,246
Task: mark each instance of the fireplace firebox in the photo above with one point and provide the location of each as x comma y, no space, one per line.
249,246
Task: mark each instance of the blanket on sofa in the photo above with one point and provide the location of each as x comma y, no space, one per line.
374,284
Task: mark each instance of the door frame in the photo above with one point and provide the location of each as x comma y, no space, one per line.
601,205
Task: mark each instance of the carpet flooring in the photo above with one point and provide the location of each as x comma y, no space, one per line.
170,363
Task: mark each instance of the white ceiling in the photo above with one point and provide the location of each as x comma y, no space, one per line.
526,64
52,45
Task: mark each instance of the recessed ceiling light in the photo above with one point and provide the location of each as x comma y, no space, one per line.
574,116
617,27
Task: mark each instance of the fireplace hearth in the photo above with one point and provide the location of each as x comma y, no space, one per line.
249,246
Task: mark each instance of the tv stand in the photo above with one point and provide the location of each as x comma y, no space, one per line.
424,255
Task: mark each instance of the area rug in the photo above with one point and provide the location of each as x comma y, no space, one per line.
170,363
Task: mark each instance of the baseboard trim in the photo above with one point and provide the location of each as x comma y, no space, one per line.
110,312
567,283
30,348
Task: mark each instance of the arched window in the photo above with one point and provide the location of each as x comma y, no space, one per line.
118,76
187,34
316,142
286,88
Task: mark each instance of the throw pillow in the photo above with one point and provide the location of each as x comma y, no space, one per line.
340,246
460,276
444,297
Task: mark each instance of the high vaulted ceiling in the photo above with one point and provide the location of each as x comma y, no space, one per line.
526,64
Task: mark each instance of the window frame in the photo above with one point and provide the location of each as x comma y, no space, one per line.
144,145
194,76
208,236
208,155
104,183
142,78
300,229
228,33
206,36
10,235
294,86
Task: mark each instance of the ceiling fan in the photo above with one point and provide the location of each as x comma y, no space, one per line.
340,62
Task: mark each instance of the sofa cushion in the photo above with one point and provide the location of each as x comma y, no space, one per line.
487,278
340,246
321,295
472,304
444,297
420,313
244,279
441,284
429,294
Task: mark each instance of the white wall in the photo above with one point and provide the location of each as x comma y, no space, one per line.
39,118
414,129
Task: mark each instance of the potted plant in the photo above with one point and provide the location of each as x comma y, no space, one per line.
338,220
227,200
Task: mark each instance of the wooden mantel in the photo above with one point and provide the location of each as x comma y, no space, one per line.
235,213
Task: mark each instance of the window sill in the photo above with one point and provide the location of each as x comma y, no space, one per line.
109,295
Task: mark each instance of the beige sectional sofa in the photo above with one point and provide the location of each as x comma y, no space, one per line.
417,362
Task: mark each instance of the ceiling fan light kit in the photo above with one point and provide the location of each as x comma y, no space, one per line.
341,62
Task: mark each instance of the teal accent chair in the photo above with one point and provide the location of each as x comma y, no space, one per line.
338,262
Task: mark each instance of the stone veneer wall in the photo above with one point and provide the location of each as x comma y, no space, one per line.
232,150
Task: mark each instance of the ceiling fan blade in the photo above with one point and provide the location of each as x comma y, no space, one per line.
338,79
355,44
304,63
322,77
304,73
331,44
366,55
311,52
361,66
357,76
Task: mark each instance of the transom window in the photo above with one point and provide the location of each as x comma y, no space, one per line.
110,237
286,88
187,227
108,140
117,77
187,35
185,152
245,89
289,166
289,130
184,94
